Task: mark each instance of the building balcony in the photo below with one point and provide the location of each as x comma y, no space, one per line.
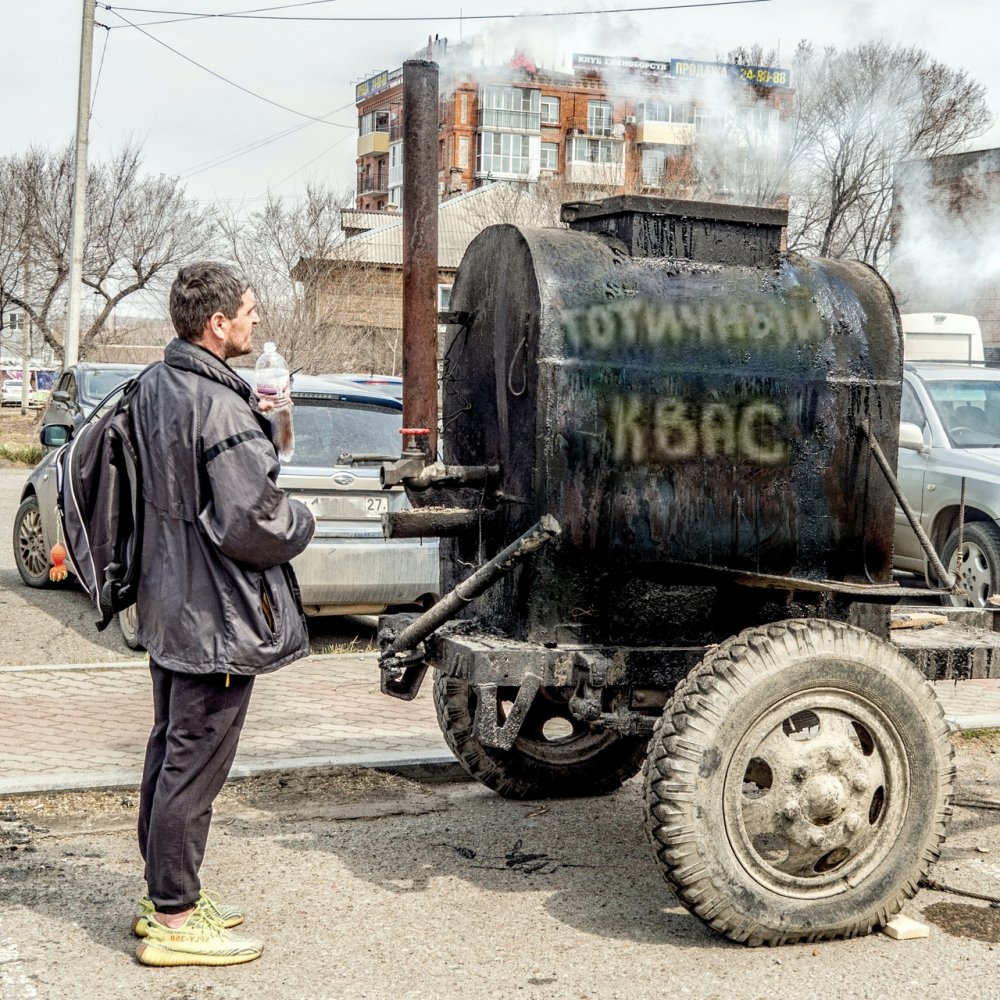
376,183
502,120
664,134
373,142
600,174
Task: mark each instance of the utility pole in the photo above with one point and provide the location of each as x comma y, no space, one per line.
71,341
26,342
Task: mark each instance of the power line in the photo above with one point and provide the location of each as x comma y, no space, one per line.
232,83
198,17
307,164
100,67
180,14
223,158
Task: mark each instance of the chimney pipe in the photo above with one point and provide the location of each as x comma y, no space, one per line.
420,248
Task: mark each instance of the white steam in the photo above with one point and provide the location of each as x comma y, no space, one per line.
946,252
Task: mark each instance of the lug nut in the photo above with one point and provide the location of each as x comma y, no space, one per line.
836,754
790,809
851,822
815,838
859,783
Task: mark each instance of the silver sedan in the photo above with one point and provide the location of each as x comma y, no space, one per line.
348,567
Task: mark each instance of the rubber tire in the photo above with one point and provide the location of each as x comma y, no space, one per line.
700,733
128,623
985,535
29,505
516,774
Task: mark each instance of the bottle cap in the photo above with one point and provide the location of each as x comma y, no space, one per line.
269,348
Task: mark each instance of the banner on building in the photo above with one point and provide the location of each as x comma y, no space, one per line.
583,62
764,76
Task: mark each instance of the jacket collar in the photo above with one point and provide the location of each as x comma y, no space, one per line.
183,354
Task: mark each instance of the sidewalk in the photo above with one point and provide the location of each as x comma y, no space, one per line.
85,725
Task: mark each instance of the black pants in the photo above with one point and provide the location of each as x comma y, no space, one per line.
197,720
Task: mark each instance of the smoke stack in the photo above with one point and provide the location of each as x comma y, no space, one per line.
420,247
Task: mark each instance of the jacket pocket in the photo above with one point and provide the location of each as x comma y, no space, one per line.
267,607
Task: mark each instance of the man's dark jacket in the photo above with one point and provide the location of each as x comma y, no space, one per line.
215,593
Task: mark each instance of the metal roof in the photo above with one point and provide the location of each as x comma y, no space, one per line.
460,220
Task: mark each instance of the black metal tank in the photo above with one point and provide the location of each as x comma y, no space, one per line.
686,400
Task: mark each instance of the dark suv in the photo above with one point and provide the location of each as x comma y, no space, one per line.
81,387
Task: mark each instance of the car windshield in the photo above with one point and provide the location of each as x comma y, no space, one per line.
327,428
969,410
95,385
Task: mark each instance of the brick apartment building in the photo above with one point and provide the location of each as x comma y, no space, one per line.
945,254
614,125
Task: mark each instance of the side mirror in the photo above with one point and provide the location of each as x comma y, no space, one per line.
54,435
60,396
910,437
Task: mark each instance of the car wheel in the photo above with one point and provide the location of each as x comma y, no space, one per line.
978,568
128,622
30,552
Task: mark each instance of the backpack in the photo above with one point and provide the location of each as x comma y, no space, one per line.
99,494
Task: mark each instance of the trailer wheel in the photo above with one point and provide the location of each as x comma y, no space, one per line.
798,785
554,755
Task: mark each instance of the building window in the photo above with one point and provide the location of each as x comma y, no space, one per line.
373,121
584,150
550,156
709,123
502,153
550,110
598,118
509,108
654,162
444,298
680,112
463,151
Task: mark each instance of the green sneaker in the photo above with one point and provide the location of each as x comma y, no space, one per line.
200,940
231,916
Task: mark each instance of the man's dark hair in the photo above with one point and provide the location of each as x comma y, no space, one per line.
199,291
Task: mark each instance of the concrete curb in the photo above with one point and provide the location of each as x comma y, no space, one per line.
991,721
412,764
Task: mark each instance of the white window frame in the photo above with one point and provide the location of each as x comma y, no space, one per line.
509,154
548,103
583,149
599,117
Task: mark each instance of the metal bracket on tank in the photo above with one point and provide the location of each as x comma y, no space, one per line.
590,671
487,728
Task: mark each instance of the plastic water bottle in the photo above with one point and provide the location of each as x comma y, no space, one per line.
274,384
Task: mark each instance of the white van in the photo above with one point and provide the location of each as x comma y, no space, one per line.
941,337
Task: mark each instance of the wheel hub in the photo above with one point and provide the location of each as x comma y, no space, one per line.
811,792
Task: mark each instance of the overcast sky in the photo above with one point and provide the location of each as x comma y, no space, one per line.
186,118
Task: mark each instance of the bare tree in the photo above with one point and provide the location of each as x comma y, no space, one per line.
859,112
139,228
289,237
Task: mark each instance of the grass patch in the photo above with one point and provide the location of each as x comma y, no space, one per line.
19,444
354,646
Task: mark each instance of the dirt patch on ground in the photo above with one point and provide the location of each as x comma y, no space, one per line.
308,793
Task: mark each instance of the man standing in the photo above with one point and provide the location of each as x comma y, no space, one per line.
217,602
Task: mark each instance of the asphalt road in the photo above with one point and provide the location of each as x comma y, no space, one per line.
369,885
